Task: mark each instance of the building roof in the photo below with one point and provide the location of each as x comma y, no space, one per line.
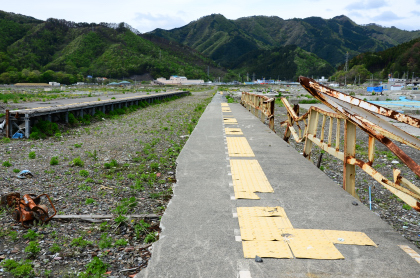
32,84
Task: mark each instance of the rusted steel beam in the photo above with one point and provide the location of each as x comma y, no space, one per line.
368,106
367,126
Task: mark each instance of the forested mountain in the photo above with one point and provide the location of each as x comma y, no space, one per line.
226,40
33,50
285,63
57,50
396,60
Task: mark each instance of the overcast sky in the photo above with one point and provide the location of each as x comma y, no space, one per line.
148,15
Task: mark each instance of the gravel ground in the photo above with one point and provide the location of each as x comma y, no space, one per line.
385,204
128,168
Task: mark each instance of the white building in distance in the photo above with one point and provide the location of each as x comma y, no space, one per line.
179,80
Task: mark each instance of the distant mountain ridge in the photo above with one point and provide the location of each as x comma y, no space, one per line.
33,50
226,40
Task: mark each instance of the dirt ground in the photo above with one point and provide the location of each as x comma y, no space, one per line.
122,165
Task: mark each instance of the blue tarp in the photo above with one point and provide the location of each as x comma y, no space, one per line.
378,89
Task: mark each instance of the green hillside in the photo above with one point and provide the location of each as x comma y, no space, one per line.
66,52
396,60
287,62
226,40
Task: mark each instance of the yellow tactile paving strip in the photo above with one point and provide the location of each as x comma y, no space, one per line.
345,237
267,249
232,121
224,104
226,109
410,252
233,131
248,176
239,146
267,226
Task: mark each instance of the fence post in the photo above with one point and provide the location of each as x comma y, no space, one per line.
349,171
271,123
312,127
7,124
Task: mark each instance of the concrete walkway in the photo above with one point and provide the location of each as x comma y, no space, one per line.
200,230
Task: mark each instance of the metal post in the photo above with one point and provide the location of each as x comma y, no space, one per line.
81,113
349,174
312,127
271,123
27,126
8,125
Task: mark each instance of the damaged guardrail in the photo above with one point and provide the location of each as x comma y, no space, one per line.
255,103
355,113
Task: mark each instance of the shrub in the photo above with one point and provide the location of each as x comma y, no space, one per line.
78,162
72,120
32,155
80,242
105,241
31,235
150,237
7,164
89,201
16,170
121,242
96,268
54,160
33,248
84,173
55,248
18,269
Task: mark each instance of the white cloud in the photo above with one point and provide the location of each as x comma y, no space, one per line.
387,16
367,5
418,2
145,22
415,13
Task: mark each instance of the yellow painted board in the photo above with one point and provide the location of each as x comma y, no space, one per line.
221,93
310,249
225,104
266,249
305,234
263,228
246,195
346,237
230,121
247,175
226,110
233,131
239,146
228,116
261,211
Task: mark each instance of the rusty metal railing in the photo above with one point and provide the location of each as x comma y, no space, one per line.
265,105
353,113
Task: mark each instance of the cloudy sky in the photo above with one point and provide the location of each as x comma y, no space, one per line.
148,15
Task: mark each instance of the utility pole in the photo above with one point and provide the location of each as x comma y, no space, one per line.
347,61
253,77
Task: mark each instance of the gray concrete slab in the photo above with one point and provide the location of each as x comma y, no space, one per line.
198,228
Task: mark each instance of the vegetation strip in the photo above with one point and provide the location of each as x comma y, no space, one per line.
124,165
